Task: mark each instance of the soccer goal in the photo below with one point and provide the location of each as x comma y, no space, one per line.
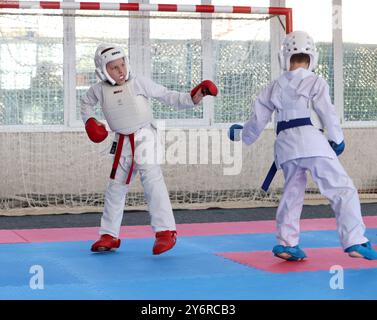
46,65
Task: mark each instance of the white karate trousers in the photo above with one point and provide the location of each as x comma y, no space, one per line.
333,183
147,145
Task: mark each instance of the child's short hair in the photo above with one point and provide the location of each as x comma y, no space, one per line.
300,58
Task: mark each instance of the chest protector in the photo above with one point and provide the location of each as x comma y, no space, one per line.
123,109
293,105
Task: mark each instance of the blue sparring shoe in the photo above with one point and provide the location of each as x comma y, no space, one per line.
289,253
364,250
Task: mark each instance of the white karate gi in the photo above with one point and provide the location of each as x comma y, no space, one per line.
297,150
155,190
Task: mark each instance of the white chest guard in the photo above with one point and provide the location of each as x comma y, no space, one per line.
123,109
293,105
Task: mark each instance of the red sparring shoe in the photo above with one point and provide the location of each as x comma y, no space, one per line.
106,243
165,240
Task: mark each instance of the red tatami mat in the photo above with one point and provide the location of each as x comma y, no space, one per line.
192,229
318,259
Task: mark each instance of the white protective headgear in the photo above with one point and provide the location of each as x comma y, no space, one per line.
298,42
106,53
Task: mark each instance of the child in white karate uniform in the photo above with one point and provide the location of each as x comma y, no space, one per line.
301,147
124,98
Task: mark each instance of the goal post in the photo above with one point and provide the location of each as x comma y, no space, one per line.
287,12
49,165
46,65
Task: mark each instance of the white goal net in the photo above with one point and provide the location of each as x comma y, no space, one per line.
46,65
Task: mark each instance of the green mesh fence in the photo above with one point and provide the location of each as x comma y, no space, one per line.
33,94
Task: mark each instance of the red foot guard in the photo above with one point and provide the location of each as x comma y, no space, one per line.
106,243
165,240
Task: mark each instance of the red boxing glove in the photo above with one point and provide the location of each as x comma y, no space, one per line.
96,130
207,87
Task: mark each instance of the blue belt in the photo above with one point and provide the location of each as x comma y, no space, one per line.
283,125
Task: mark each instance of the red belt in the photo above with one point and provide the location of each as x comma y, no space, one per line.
118,153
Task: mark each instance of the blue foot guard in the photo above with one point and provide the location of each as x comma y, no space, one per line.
295,253
364,250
